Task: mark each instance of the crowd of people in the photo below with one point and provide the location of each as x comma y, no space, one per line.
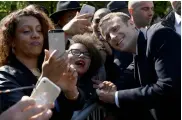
120,60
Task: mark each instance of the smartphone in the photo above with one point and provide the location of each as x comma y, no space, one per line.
45,92
87,9
57,41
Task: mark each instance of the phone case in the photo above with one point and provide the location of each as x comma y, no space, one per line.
45,92
57,41
87,9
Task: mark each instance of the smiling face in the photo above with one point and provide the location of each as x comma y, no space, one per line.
121,36
28,39
81,62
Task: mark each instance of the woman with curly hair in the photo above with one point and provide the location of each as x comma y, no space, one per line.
23,39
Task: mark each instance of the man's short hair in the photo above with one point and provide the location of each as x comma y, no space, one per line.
124,17
133,4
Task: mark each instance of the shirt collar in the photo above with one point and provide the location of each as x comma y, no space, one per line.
177,18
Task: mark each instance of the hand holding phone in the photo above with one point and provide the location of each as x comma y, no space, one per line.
87,9
45,92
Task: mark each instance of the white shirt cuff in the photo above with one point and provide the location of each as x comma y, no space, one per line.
116,99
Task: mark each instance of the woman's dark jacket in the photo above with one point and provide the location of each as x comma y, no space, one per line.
15,74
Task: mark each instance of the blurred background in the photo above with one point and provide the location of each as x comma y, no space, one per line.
161,8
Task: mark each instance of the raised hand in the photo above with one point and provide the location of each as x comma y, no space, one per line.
53,67
78,25
68,79
26,109
68,82
106,91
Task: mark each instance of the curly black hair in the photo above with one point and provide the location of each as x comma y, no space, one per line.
96,59
8,27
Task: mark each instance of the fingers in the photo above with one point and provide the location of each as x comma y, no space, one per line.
49,106
32,111
72,72
77,14
107,86
24,103
46,55
46,115
84,16
52,56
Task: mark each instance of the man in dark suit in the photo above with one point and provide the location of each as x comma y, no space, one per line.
157,69
172,20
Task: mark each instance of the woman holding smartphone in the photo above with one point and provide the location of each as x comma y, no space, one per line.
23,39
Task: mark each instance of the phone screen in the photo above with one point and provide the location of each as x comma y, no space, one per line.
57,41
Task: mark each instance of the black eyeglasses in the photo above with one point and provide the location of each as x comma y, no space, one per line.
77,52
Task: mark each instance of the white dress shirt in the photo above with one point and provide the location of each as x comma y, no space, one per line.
116,99
144,31
177,23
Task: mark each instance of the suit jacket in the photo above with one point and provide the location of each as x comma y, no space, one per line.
158,70
168,21
122,59
15,75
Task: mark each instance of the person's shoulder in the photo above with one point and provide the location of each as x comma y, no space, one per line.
151,30
164,32
7,70
163,36
159,30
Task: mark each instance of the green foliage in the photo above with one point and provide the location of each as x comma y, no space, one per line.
6,7
161,8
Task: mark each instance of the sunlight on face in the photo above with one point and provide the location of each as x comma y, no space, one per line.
81,61
28,39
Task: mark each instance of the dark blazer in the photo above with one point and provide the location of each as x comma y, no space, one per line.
15,75
158,70
122,59
168,21
123,79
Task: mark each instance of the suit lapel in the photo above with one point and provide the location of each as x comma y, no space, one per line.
169,21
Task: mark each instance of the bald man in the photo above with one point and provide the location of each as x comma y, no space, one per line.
141,12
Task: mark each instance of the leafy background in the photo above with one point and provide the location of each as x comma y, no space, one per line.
161,7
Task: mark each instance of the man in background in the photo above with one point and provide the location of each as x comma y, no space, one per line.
141,12
118,6
65,11
172,20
